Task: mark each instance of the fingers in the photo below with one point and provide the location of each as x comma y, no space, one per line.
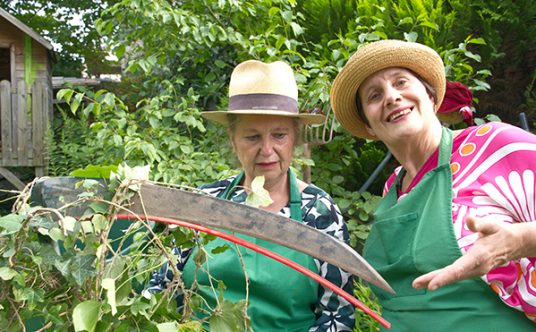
467,266
480,225
424,280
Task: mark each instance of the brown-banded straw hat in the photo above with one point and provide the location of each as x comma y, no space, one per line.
264,89
373,57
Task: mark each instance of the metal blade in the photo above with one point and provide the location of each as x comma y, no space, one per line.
201,209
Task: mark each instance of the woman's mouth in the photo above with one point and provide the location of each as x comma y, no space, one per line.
398,114
267,165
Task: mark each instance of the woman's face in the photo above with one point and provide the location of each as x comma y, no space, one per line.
264,145
396,104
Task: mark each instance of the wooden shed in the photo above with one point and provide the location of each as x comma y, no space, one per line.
25,98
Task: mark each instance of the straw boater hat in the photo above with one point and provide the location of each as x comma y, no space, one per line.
374,57
263,88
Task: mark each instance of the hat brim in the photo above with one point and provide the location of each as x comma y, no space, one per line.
373,57
221,116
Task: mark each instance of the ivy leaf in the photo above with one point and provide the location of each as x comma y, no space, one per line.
6,273
62,266
231,318
109,285
85,315
82,268
11,223
258,196
30,295
140,308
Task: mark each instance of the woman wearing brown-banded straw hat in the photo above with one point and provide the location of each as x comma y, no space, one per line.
454,234
263,123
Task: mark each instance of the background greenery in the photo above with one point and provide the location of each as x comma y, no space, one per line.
176,58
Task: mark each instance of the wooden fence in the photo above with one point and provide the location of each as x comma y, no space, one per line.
24,122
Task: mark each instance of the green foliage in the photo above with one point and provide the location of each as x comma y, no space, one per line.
365,323
72,145
66,274
178,57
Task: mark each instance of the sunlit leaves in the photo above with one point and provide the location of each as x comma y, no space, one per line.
86,315
258,196
10,224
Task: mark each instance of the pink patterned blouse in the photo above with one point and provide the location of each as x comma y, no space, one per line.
493,175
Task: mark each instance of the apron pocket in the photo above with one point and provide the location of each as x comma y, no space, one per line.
389,250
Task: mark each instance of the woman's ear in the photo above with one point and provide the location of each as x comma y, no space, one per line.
432,100
230,134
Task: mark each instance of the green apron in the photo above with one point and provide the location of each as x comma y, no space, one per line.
414,236
280,298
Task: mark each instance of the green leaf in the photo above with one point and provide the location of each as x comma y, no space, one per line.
168,327
65,94
11,223
230,319
109,285
86,315
220,249
94,171
258,195
82,268
56,234
69,224
139,308
7,273
298,30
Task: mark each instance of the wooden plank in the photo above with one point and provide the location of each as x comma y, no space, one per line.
38,110
5,121
12,178
22,124
12,61
14,138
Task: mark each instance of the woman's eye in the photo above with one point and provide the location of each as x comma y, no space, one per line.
280,135
374,96
401,82
252,138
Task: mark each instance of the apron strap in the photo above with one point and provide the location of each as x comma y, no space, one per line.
445,147
295,196
227,193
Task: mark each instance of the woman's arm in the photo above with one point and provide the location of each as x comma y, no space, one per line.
333,313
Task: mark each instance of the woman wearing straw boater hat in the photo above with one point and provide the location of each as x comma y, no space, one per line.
454,234
263,126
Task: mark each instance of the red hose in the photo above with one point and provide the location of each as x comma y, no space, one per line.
339,291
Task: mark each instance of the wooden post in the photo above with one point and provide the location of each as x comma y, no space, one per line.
5,121
22,124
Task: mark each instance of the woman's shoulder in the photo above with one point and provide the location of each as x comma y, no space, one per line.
215,188
497,133
311,190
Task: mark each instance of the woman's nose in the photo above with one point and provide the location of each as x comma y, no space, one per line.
267,147
392,95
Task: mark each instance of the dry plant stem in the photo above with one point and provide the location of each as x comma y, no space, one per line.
247,284
21,322
46,326
115,208
24,196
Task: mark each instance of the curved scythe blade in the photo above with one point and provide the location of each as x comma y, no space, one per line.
218,213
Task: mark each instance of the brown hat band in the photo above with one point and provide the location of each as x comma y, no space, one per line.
263,101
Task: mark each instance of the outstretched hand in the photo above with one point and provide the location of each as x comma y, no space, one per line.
497,243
